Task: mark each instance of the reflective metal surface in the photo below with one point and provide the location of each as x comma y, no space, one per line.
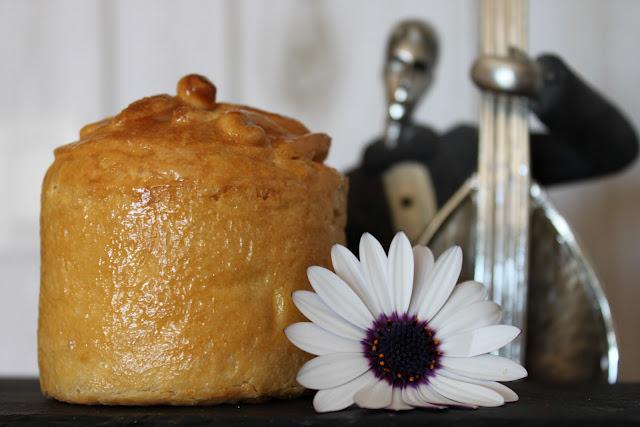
570,330
502,215
515,74
411,57
410,60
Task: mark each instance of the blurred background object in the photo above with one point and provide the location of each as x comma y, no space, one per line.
66,63
412,169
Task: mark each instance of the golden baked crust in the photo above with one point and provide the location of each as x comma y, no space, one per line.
172,236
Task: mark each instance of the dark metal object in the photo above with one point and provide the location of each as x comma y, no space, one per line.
571,336
586,137
410,60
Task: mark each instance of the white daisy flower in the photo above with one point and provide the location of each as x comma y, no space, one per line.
397,333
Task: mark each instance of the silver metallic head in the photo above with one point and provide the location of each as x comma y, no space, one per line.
411,56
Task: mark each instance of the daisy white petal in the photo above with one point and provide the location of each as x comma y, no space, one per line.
348,268
485,367
374,269
412,396
310,304
397,404
439,283
339,296
422,263
464,392
313,339
401,272
332,370
375,396
340,397
464,294
429,394
478,341
483,313
507,394
395,332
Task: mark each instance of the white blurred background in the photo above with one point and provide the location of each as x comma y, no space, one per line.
64,63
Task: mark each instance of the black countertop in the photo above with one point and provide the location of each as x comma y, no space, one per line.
540,405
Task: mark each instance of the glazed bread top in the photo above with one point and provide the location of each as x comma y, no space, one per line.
190,136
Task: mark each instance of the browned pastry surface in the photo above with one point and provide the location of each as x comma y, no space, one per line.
172,237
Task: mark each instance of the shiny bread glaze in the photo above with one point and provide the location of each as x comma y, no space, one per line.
187,136
172,236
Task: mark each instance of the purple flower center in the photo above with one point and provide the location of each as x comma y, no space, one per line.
401,350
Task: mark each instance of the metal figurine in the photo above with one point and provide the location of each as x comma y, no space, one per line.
411,57
424,183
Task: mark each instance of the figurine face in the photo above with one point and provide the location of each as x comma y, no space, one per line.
412,53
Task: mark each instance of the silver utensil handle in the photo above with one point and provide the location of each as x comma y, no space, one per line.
502,223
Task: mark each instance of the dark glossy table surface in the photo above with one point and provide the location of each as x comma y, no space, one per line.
540,405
